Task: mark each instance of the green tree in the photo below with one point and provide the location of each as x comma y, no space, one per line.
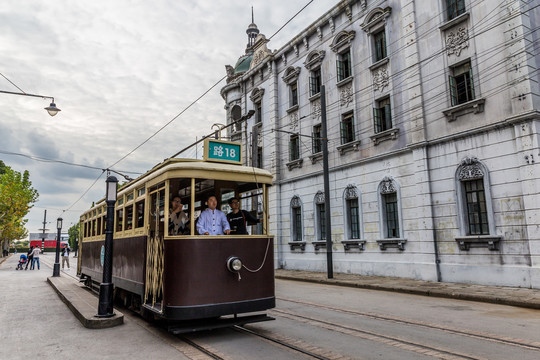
73,233
17,197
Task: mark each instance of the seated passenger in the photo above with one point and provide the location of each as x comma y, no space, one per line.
212,221
239,219
178,219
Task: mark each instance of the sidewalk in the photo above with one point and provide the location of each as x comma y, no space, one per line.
35,323
528,298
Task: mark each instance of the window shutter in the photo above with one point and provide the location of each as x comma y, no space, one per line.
343,132
311,85
453,90
377,120
387,117
339,69
471,84
383,45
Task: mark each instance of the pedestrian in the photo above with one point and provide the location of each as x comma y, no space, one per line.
35,252
65,256
30,257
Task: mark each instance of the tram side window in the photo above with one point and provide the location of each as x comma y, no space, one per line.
179,207
85,229
98,227
94,227
129,217
119,219
139,208
103,224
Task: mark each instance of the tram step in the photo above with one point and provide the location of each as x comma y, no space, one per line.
211,324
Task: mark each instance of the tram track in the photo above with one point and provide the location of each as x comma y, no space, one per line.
294,344
388,340
520,343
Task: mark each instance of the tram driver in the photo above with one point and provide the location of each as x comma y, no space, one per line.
212,221
178,219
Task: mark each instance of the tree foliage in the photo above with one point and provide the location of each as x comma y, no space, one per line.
17,197
73,233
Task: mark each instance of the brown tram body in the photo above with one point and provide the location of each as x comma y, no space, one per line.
183,277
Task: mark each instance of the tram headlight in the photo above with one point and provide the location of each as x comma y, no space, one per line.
234,264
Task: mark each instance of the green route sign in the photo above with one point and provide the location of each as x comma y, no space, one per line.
222,151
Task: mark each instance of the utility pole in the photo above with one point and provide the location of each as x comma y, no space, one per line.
43,234
255,146
324,141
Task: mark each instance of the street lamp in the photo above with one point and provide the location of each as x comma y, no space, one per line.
56,267
105,305
51,109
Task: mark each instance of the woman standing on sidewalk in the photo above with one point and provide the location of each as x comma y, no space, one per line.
35,253
30,257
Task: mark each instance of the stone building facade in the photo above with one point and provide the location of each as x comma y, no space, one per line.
433,135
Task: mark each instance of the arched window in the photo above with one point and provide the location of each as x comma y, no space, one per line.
320,215
313,64
390,205
342,47
291,79
352,213
474,198
296,219
375,26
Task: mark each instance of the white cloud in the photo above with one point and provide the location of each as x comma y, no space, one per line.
119,70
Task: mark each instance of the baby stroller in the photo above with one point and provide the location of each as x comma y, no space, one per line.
22,262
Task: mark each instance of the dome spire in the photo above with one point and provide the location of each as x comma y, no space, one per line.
252,32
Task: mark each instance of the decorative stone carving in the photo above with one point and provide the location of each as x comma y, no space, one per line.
291,75
256,95
376,19
306,44
332,25
269,66
319,198
342,40
470,169
260,51
293,120
295,202
284,59
455,43
314,59
363,3
348,11
319,32
346,95
380,79
295,47
351,192
388,186
316,109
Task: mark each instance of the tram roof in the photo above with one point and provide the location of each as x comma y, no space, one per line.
192,168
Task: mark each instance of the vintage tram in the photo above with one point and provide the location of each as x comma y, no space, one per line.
188,276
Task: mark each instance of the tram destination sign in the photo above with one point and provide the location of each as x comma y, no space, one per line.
222,151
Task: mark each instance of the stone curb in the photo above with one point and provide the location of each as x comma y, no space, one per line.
79,302
442,290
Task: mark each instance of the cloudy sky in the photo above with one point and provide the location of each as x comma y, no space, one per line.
119,70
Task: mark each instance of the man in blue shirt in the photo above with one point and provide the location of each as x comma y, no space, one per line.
213,221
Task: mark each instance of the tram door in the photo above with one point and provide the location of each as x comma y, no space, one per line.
153,293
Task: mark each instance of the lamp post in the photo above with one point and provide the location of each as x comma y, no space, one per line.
105,305
56,267
51,109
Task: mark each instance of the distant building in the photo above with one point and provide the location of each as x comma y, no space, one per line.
433,127
50,239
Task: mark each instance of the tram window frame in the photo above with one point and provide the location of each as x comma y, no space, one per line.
94,227
128,217
119,220
180,187
98,226
139,212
